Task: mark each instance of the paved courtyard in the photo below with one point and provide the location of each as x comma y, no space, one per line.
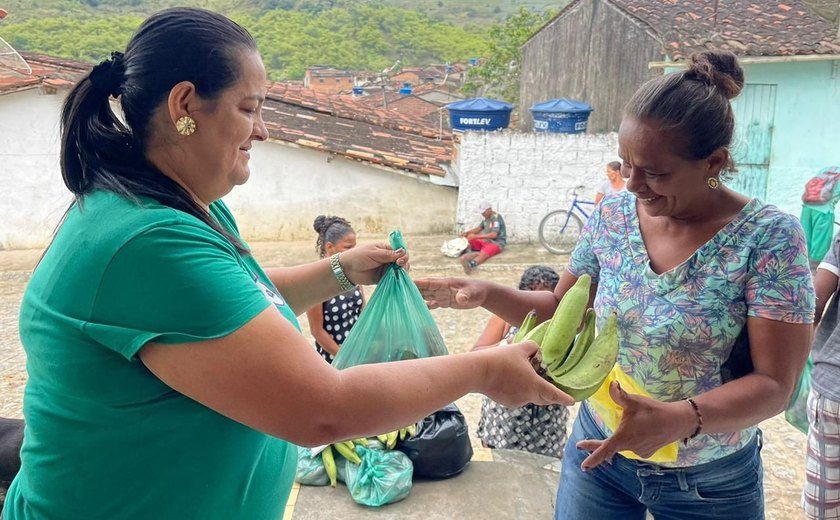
783,452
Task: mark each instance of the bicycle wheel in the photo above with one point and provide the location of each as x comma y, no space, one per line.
559,231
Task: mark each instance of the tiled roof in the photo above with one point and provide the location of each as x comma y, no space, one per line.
46,70
423,104
745,27
339,125
373,96
413,106
346,107
298,115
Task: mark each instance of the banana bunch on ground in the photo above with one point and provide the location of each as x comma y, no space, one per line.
346,449
389,440
577,363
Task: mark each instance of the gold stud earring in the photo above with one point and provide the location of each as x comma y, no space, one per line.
185,125
713,182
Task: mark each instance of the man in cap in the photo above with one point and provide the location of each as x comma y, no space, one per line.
486,240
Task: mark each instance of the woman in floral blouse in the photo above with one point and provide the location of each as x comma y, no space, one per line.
688,265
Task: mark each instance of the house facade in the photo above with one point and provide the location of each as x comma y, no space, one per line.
378,169
329,80
786,129
601,51
34,197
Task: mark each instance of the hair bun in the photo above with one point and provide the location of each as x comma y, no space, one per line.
320,222
719,69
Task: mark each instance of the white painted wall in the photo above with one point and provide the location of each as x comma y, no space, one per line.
526,175
34,197
289,186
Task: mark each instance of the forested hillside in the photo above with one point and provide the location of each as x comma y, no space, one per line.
480,12
292,34
358,36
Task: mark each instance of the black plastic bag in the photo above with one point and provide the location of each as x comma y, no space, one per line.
11,439
441,447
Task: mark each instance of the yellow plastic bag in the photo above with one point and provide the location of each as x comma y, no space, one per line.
610,413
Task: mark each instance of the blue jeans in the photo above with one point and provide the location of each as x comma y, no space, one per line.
727,488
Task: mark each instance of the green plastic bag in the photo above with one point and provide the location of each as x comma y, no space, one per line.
310,469
395,325
383,477
797,411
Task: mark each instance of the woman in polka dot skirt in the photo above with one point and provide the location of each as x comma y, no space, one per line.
537,429
331,321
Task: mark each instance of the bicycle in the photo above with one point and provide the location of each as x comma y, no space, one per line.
560,229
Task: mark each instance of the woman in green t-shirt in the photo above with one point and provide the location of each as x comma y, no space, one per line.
167,372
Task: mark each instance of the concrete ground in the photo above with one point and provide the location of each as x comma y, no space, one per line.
783,453
514,485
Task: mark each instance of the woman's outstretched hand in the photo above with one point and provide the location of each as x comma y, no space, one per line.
365,264
455,293
511,380
646,425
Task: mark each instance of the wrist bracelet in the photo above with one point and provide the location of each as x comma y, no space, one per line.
699,421
338,271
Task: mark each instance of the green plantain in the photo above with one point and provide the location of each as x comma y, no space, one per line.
565,323
329,465
347,450
528,324
579,347
583,379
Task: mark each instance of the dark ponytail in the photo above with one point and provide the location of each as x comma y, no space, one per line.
100,152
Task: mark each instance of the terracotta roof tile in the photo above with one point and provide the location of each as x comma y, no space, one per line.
748,28
298,115
46,70
340,125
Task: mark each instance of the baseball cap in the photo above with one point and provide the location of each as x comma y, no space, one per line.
484,206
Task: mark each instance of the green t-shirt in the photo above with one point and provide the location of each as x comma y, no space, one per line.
105,438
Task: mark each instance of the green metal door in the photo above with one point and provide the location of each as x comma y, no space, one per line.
754,109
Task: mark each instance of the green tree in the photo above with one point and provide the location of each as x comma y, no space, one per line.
346,33
498,74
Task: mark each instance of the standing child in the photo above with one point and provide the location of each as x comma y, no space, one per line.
532,428
331,321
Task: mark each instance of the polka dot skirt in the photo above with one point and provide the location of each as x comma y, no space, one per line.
340,314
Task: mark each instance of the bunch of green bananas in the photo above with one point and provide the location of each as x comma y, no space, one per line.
577,363
389,440
346,449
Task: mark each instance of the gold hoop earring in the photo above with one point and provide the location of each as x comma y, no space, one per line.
185,125
713,182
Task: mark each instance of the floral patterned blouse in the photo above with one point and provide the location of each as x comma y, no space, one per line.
678,327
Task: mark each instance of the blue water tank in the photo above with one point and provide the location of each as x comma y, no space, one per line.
405,89
358,91
473,61
561,115
479,114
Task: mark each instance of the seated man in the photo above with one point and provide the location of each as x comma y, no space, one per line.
486,240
